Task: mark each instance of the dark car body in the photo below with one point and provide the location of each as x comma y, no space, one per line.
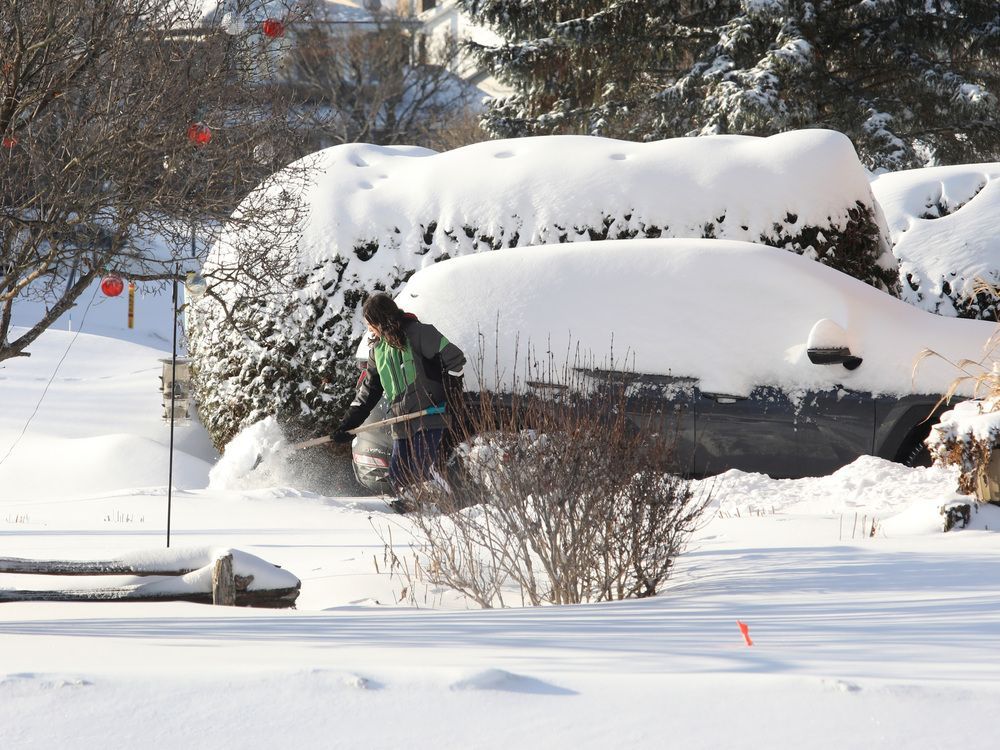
766,432
770,433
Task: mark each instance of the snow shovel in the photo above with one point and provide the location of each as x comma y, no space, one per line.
372,426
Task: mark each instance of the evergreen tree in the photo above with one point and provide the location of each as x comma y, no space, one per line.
912,82
576,66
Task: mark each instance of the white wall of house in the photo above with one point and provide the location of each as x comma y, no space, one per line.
441,18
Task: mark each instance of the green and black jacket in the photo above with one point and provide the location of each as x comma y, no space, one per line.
412,379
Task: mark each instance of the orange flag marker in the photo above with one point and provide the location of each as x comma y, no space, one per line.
746,632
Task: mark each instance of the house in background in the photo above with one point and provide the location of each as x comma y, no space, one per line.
377,71
440,20
430,22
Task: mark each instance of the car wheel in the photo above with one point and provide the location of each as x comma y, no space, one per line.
915,452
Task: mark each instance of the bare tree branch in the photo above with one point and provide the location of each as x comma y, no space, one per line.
127,125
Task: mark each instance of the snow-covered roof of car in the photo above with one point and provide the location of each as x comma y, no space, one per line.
733,314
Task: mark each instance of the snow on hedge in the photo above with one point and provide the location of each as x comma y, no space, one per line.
731,314
373,202
969,420
942,221
377,214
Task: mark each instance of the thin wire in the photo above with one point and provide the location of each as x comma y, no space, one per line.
55,372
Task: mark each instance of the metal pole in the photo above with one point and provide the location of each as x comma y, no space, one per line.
173,394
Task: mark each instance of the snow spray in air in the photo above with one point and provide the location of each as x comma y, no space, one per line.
254,458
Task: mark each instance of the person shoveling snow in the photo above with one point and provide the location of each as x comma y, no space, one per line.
259,455
411,363
418,370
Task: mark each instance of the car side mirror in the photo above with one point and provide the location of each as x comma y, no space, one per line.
827,345
840,355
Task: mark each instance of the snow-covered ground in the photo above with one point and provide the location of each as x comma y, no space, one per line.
858,641
871,628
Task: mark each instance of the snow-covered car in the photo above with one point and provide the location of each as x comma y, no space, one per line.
770,362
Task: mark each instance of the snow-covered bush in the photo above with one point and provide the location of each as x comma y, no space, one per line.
380,213
940,219
967,437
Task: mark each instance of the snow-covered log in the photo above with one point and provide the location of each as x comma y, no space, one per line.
170,575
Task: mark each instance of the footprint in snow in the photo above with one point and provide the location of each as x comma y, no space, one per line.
498,679
842,686
351,680
361,683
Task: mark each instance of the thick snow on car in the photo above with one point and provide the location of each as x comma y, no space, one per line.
771,362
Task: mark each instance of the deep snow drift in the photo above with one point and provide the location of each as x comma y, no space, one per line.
943,226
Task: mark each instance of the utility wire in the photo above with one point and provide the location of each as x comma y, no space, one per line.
41,398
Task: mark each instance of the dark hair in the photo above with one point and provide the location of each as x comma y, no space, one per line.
380,311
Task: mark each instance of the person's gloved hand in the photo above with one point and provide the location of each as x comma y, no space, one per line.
454,388
341,436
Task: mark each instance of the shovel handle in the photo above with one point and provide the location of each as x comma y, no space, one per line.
311,443
365,427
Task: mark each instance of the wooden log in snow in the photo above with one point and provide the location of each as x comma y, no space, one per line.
83,568
269,598
220,585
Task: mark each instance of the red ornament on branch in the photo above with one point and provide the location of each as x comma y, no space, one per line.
199,133
273,28
112,285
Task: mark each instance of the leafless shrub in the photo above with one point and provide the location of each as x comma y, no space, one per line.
558,496
461,128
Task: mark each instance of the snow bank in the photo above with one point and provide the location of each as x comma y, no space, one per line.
926,516
92,406
898,501
870,485
94,466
